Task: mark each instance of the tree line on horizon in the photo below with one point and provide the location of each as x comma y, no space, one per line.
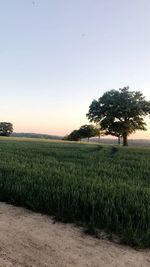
85,131
118,113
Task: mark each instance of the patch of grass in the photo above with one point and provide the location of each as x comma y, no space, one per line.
114,150
101,187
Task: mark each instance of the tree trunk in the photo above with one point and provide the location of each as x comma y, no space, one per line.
125,140
88,139
99,138
119,140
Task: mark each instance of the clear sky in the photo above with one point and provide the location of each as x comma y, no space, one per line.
56,56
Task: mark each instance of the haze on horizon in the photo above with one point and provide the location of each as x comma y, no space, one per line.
57,56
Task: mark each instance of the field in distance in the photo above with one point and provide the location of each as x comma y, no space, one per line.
97,186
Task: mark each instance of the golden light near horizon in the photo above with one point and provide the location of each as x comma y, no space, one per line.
62,126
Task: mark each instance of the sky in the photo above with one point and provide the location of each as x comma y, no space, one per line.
56,56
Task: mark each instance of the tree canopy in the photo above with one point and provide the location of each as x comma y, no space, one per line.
73,136
120,112
6,128
85,131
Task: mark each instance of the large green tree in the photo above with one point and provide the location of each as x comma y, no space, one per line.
6,128
120,110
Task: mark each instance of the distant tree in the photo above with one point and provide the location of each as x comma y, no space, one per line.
6,128
74,136
87,131
65,138
121,108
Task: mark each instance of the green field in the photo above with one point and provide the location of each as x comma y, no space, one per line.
100,187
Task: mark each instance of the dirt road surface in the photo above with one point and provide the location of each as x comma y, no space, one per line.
31,239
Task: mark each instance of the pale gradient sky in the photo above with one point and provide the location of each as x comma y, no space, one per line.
56,56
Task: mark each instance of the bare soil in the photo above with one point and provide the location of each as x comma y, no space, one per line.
32,239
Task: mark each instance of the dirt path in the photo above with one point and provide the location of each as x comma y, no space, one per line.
31,239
